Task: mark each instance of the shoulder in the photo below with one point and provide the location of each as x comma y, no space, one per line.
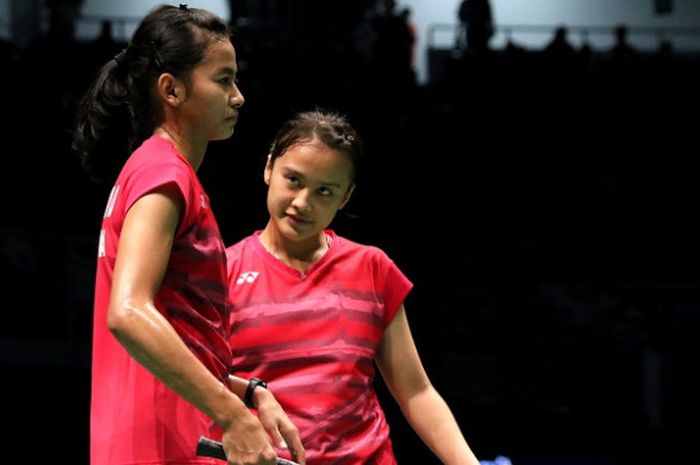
156,163
147,169
356,249
236,250
239,253
157,152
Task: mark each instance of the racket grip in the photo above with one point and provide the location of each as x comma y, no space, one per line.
209,448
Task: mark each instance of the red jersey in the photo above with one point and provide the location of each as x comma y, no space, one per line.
313,338
136,419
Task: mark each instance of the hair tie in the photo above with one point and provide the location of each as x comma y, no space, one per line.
120,58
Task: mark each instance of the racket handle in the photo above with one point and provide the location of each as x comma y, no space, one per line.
209,448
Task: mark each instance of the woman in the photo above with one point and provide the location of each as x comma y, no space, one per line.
314,310
160,355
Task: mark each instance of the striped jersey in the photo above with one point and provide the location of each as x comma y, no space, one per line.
136,419
313,336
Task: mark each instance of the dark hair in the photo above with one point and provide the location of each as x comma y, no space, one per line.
119,111
332,129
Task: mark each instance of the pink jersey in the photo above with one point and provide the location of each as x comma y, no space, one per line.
135,419
313,338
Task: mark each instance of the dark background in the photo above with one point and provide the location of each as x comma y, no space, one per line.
543,205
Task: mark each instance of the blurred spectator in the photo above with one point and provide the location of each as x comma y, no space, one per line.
476,25
622,52
394,38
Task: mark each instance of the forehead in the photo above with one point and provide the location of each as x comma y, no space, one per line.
219,54
315,159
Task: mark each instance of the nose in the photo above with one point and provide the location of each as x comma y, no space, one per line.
236,100
301,201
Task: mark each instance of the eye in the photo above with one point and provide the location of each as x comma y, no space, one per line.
293,180
325,192
226,81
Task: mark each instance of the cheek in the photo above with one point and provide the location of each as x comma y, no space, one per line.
328,210
272,205
278,198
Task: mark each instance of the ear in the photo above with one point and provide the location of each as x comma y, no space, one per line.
268,170
171,90
348,194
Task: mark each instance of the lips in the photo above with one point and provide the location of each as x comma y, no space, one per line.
298,219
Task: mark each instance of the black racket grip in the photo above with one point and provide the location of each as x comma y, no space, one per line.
209,448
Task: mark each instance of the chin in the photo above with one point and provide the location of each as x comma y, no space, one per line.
222,135
292,234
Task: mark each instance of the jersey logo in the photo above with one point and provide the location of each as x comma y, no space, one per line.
203,201
247,277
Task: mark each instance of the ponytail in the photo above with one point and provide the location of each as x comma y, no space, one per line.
104,123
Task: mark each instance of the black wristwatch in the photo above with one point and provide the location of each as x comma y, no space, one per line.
252,384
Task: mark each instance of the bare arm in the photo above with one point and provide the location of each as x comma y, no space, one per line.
142,258
423,407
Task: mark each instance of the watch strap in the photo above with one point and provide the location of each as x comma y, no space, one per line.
252,384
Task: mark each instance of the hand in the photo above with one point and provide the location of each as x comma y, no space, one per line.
246,442
283,432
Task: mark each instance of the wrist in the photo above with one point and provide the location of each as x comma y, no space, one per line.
260,397
229,409
252,392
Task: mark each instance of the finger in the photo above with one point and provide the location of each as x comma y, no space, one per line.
278,439
294,441
272,429
299,455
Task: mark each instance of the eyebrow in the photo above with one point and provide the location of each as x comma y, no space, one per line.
297,173
228,70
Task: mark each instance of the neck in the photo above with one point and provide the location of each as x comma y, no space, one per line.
299,255
193,152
